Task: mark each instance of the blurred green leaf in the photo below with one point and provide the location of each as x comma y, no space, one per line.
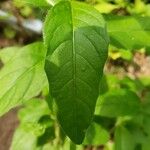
8,53
37,3
146,103
36,127
108,82
146,123
140,132
23,140
125,54
35,117
134,85
123,139
33,110
129,32
104,7
22,77
105,122
96,135
118,103
26,11
145,80
69,145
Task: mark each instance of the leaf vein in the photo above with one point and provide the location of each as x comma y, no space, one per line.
87,62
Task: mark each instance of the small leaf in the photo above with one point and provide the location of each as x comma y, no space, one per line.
77,43
118,103
129,32
22,77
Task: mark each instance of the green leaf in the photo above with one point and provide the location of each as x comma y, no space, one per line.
118,103
23,140
33,111
129,32
8,53
145,80
69,145
96,135
105,122
22,77
77,43
37,3
134,85
123,139
112,82
34,131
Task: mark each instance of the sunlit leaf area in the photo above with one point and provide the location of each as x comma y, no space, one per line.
74,75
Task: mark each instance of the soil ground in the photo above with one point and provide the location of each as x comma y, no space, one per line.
8,124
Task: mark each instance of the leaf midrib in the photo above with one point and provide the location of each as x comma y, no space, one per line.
74,67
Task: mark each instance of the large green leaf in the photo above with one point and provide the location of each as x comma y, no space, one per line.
77,43
8,53
129,32
118,103
22,77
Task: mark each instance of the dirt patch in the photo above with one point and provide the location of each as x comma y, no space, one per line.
8,124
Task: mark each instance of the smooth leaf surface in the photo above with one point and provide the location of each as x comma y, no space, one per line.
118,103
129,32
77,43
22,77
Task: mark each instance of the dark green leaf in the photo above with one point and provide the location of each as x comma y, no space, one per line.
77,43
